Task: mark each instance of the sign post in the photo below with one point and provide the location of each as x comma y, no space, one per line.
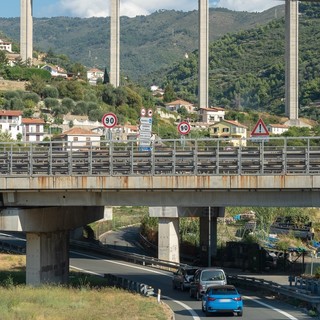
260,132
145,129
109,120
183,128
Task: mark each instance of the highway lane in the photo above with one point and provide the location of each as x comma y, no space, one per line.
182,305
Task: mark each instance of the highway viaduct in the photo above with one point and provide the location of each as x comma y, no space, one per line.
46,191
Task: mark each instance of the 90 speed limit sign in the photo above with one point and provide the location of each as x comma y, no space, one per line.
184,127
109,120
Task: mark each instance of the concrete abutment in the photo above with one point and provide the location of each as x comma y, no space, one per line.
47,233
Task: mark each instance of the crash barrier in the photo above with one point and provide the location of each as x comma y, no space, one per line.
311,286
130,257
289,291
129,285
12,248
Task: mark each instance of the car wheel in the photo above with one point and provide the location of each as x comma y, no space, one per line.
182,287
240,314
207,314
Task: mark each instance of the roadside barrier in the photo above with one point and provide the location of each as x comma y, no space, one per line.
129,285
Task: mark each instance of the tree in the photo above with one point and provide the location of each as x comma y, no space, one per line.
169,94
106,78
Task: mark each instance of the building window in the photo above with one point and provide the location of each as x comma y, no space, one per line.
75,139
225,130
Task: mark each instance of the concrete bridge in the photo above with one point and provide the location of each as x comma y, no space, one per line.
48,189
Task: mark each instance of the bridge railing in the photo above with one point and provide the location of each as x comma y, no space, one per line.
275,156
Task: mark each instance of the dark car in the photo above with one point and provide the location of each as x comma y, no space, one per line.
182,277
222,299
205,278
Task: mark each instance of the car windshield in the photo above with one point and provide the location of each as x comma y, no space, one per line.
212,275
222,291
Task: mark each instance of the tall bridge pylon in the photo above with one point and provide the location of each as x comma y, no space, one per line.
26,31
115,43
291,61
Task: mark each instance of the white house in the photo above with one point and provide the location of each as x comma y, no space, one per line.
177,104
277,128
78,138
94,74
11,122
211,115
5,46
55,71
33,129
118,132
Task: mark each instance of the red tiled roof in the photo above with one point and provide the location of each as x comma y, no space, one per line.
32,121
78,132
15,113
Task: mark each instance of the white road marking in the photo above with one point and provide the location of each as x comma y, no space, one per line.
189,309
286,314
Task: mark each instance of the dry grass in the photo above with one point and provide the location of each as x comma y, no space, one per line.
80,302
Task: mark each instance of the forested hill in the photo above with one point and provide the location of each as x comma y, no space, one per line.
148,43
247,69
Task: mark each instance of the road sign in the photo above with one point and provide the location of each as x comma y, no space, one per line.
143,112
150,112
145,127
109,120
184,127
260,130
146,120
145,134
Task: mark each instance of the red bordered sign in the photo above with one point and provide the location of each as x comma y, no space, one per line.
109,120
184,127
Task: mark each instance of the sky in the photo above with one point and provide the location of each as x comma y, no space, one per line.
130,8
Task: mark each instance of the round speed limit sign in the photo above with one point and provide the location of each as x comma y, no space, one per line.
184,127
109,120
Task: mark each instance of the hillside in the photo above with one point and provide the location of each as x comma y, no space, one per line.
148,43
247,69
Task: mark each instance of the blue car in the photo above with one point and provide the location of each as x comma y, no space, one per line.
224,299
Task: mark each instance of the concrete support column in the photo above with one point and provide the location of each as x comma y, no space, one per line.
115,43
26,31
203,54
47,257
291,58
168,239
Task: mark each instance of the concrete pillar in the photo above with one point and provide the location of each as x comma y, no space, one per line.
291,58
203,54
115,43
168,239
47,257
26,31
205,233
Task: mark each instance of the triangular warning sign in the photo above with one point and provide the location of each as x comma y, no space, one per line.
260,129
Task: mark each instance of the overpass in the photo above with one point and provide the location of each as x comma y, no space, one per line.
48,189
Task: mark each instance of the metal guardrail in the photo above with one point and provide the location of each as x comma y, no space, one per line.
276,156
289,291
129,285
12,248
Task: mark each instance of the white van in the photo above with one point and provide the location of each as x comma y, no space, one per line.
204,278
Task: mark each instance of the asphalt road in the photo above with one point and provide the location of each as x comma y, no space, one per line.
185,308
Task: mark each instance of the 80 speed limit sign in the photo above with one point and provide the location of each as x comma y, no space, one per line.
184,127
109,120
